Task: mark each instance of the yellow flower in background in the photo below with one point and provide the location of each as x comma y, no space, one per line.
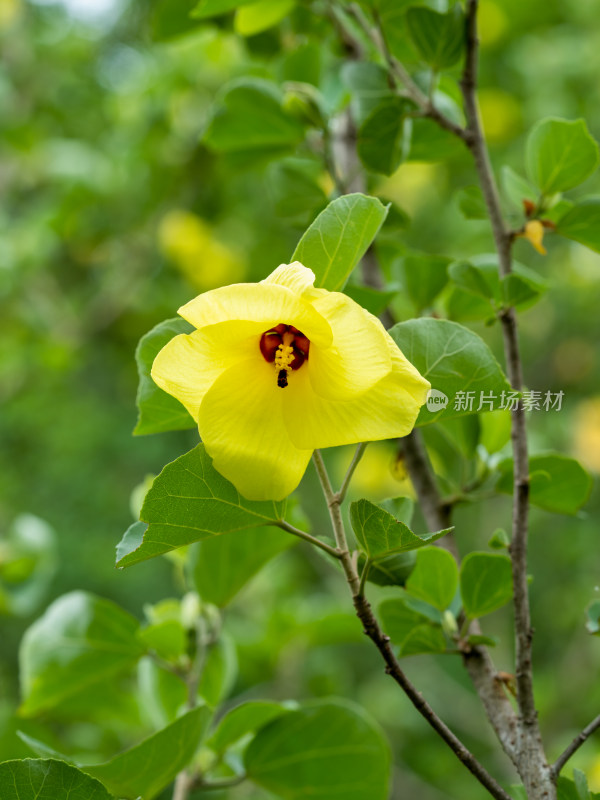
534,233
277,369
191,245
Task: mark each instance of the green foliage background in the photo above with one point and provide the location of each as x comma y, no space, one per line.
101,128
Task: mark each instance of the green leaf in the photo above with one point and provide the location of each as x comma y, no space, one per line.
296,193
434,578
243,719
582,223
411,630
35,779
213,8
516,188
169,19
424,277
79,641
521,291
249,115
429,142
374,300
259,16
325,750
474,279
581,785
369,84
157,410
339,237
495,430
382,144
423,639
560,154
453,359
557,483
438,38
144,770
190,501
380,534
390,570
167,638
485,583
574,790
499,540
220,671
222,565
471,203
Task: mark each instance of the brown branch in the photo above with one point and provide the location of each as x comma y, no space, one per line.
382,642
574,746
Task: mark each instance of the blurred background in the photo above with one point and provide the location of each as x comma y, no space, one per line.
113,213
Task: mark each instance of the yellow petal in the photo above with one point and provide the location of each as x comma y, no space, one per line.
388,409
241,423
534,233
359,356
294,276
189,364
267,304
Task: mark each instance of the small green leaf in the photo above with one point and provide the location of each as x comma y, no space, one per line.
582,223
296,193
167,638
477,639
473,279
151,765
429,142
157,410
249,115
243,719
581,785
517,188
593,618
400,622
79,641
222,565
471,203
522,291
379,534
370,87
190,501
424,277
575,790
259,16
560,154
391,570
423,639
339,237
382,144
434,578
34,779
557,483
324,750
495,430
499,540
439,38
453,359
485,583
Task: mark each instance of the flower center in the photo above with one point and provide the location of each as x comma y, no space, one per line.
286,348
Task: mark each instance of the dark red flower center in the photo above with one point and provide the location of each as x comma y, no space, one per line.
286,348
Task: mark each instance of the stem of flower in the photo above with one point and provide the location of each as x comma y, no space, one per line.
382,641
358,454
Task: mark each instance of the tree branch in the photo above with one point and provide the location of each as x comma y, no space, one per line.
382,642
574,746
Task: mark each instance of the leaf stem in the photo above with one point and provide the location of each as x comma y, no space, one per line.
285,526
358,454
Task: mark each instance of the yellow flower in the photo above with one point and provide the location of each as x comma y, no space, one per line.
277,369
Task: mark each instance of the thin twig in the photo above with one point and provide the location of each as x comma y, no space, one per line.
382,642
358,454
401,74
285,526
574,746
225,783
